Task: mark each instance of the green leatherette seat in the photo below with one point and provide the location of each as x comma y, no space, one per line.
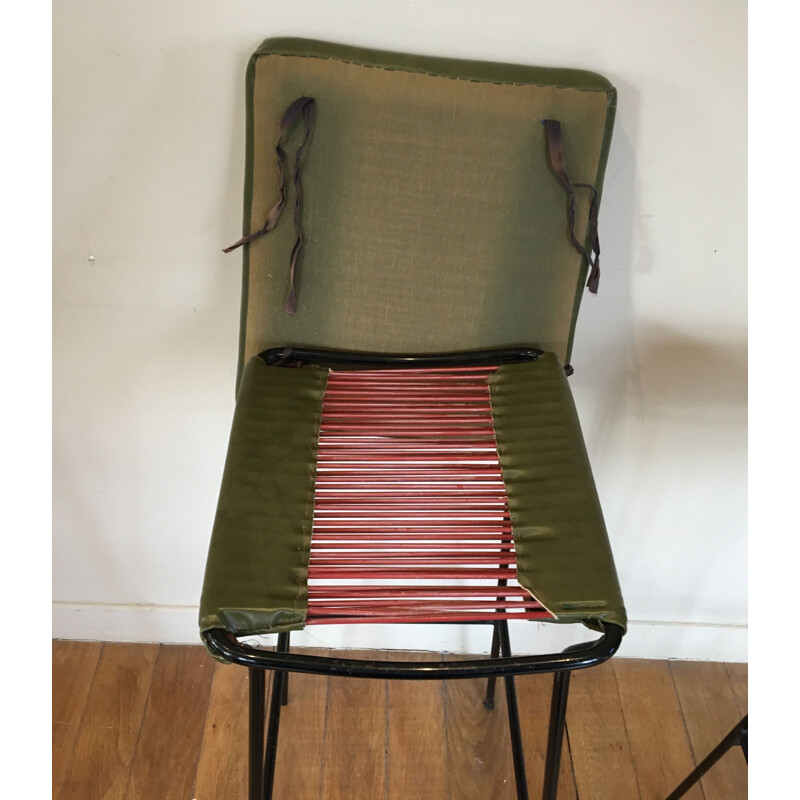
256,580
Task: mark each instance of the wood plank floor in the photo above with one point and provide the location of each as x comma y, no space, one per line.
162,722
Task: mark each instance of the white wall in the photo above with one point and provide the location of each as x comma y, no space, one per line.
148,151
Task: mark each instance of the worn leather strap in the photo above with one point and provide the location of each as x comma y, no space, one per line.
305,106
302,106
555,149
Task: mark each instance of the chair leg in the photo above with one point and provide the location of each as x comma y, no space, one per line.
738,735
555,739
256,774
285,693
488,701
273,725
743,736
513,715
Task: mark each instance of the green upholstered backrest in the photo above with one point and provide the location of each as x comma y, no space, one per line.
432,220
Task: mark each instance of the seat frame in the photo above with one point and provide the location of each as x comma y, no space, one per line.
501,663
282,661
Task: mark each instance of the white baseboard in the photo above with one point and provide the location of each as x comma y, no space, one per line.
178,625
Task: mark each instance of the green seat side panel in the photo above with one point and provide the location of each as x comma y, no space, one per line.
563,554
256,577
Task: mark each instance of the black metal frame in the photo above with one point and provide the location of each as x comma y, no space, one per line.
282,661
501,663
737,735
473,358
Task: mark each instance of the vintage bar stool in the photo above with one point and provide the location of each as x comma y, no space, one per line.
405,448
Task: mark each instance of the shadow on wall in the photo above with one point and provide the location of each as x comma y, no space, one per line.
664,411
604,357
691,376
632,366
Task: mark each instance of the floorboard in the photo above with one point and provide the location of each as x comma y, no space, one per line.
146,721
737,674
222,764
417,746
354,763
74,666
598,738
301,741
533,698
172,730
656,732
109,730
710,710
479,762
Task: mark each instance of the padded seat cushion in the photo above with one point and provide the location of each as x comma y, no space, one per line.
256,578
563,554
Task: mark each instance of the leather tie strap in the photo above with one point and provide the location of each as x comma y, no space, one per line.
302,106
555,148
305,106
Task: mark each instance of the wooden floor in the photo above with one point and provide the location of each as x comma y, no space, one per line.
150,722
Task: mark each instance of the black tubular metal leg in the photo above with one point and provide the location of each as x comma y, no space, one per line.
517,752
738,735
256,777
579,656
488,701
275,703
743,736
285,693
555,739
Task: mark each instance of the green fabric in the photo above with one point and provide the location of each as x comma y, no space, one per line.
432,221
434,65
432,224
562,549
256,577
257,572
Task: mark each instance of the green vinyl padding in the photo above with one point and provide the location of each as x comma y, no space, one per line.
560,539
432,220
256,573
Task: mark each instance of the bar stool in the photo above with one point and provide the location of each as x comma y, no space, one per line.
405,448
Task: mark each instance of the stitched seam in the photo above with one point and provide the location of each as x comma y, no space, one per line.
305,546
536,595
428,73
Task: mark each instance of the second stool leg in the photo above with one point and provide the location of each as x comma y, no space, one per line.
257,697
275,703
513,715
488,701
555,739
738,735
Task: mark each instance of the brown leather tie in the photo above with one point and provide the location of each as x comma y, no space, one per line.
304,106
555,148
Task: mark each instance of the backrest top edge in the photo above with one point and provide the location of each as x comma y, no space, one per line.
436,66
